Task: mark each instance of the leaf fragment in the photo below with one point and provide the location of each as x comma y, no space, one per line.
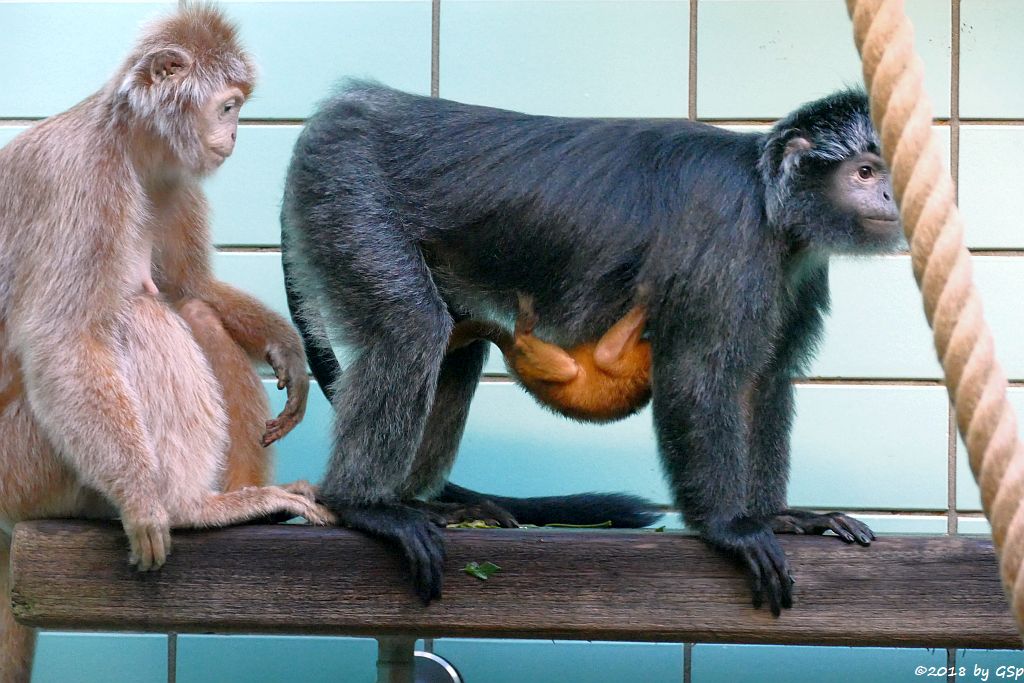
482,571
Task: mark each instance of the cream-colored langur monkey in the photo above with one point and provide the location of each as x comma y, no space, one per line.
126,380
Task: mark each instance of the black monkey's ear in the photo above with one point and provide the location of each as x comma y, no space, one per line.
165,64
797,144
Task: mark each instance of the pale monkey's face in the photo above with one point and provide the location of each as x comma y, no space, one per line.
218,125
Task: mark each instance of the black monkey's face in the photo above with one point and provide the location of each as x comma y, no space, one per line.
860,188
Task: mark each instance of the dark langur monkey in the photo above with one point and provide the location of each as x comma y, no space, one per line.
114,331
404,215
598,381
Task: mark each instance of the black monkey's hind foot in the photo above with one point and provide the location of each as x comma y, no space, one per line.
483,510
753,545
414,531
803,522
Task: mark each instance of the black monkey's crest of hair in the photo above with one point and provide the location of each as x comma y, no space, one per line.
832,129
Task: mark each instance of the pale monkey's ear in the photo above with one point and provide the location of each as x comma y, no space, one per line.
166,64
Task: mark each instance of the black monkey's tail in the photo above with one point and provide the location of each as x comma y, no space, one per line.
622,510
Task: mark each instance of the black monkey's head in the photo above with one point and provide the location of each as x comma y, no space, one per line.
825,181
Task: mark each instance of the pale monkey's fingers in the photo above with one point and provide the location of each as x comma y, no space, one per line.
293,412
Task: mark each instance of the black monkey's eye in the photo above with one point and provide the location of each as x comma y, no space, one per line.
865,172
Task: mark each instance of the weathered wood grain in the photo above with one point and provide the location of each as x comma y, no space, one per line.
593,585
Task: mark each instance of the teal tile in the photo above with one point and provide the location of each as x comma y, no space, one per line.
763,58
537,661
835,461
894,524
990,180
975,525
802,664
100,658
258,273
304,48
906,524
991,59
245,194
272,659
877,327
304,452
50,50
968,495
856,447
7,133
602,58
999,279
514,447
990,665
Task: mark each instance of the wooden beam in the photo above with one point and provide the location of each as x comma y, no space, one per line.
593,585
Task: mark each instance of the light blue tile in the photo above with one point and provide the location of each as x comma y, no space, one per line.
975,525
991,59
303,49
538,661
274,659
857,446
50,51
258,273
763,58
100,658
245,194
303,453
991,179
968,495
512,446
999,280
598,58
7,133
906,524
892,524
990,665
877,327
800,664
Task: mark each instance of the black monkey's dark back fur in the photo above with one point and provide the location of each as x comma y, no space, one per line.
404,214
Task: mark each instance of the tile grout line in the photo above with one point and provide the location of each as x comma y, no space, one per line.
952,521
950,665
435,48
691,84
688,662
172,657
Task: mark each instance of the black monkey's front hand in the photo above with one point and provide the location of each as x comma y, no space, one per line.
414,531
754,546
804,522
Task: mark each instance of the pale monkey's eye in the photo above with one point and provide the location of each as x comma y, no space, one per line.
865,172
228,107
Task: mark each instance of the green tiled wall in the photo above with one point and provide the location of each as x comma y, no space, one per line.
760,59
872,419
567,57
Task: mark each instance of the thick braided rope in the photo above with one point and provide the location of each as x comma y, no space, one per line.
977,386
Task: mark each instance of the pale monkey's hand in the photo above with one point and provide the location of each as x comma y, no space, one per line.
290,368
